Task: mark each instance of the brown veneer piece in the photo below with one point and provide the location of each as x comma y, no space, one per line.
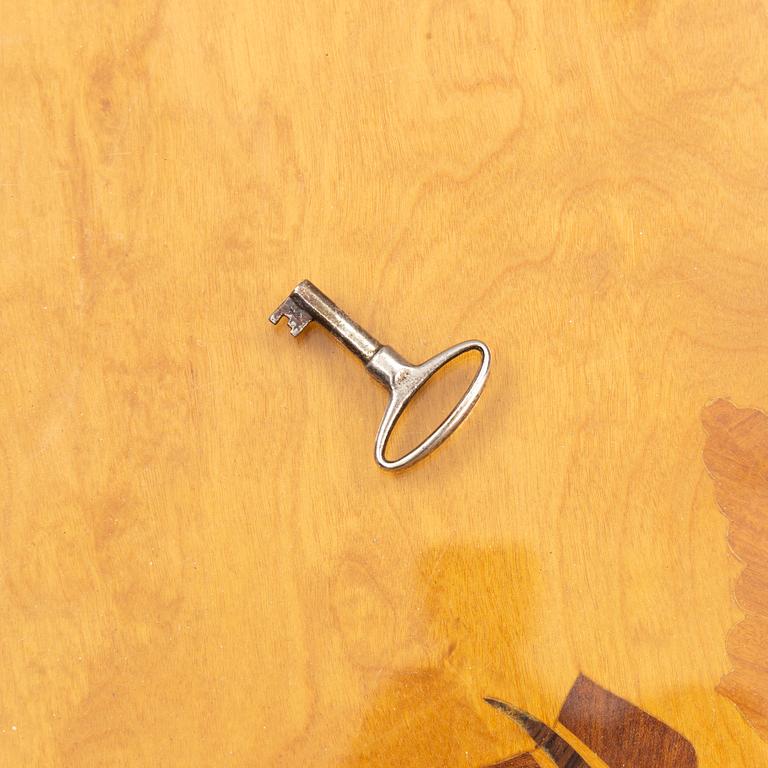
736,456
621,734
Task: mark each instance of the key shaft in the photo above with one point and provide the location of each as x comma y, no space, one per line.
310,303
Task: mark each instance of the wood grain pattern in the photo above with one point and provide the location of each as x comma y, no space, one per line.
736,455
200,563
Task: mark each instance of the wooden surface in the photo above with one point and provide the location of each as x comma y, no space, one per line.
200,563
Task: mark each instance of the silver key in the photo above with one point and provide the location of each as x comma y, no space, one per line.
403,379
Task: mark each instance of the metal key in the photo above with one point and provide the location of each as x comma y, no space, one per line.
403,379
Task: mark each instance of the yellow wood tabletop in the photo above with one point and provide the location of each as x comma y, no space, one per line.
200,562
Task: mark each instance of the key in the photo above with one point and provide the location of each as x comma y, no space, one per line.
403,379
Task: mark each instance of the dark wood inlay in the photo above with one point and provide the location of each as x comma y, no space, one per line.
561,752
621,734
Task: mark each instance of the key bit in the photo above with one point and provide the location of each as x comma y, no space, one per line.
403,379
298,318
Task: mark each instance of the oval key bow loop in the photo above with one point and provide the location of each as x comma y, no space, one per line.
405,380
